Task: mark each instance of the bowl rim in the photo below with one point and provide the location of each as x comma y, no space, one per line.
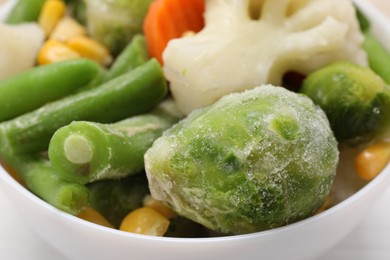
349,202
379,180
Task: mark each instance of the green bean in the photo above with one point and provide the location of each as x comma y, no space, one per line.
364,23
114,199
35,87
132,56
25,11
85,152
378,56
39,177
133,93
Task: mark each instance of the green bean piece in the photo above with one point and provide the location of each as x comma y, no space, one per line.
132,56
114,199
35,87
364,23
39,177
134,93
378,56
85,152
97,81
25,11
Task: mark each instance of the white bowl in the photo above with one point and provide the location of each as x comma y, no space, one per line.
307,239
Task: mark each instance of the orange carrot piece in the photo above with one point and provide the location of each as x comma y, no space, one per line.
169,19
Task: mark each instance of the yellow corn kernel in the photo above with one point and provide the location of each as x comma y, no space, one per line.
371,161
91,215
146,221
52,12
160,207
66,29
91,49
55,51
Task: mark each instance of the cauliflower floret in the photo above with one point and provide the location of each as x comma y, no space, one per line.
237,51
19,45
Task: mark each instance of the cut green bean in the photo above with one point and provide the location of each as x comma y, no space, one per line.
378,56
85,152
40,179
132,56
35,87
364,23
25,11
133,93
114,199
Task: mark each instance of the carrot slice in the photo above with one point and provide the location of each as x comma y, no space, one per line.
169,19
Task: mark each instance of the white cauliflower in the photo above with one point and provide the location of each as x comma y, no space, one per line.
19,45
236,51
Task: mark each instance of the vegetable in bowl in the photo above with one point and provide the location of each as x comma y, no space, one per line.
115,23
299,20
354,98
234,51
249,162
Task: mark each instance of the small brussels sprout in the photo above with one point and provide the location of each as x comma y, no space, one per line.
355,99
115,22
249,162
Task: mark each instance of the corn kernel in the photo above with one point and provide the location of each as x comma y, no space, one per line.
159,207
146,221
91,49
371,161
91,215
52,12
66,29
55,51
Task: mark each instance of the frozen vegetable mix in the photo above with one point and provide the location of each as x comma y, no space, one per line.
249,162
237,51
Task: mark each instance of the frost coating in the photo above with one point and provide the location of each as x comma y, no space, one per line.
235,52
251,161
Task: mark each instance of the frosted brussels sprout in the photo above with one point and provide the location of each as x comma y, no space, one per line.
251,161
355,99
115,22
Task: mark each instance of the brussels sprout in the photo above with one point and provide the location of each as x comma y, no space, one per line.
249,162
115,22
115,198
355,100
